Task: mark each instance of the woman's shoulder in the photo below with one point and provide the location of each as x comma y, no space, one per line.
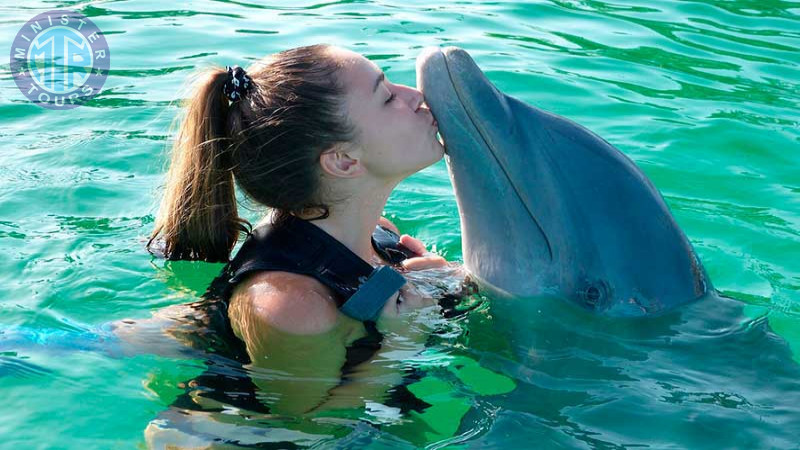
289,302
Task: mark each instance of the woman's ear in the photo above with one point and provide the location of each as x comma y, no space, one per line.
341,162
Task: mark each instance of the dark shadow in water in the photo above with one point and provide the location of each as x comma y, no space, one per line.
703,376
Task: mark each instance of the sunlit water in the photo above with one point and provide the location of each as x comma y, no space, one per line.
702,95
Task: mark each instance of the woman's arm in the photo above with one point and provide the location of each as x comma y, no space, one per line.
297,338
404,337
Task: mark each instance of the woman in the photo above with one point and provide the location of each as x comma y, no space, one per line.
318,134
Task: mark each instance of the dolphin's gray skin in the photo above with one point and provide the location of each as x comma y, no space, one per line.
548,207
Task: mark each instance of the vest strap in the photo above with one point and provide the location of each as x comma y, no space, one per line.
367,302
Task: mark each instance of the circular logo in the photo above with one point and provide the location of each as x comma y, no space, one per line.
60,59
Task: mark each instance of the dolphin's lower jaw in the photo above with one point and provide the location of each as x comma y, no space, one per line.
548,207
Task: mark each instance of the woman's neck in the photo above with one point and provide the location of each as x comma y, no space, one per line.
353,221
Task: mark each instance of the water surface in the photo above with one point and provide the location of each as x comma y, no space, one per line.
702,95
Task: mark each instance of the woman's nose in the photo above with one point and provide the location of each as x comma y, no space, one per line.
415,98
420,100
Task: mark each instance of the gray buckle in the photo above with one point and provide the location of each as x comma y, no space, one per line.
372,294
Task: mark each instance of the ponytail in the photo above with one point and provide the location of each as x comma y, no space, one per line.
270,141
198,218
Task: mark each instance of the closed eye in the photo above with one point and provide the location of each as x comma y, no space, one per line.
391,97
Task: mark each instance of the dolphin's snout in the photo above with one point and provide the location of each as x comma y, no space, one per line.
426,54
453,52
436,56
430,64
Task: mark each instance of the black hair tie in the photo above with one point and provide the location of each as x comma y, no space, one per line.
237,84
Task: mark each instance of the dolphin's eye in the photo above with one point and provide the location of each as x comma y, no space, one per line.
595,294
592,295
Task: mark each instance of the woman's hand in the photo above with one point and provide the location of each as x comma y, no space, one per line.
428,260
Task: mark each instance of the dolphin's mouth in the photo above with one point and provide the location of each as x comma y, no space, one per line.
478,126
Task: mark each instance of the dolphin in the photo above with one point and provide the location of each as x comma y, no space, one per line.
547,207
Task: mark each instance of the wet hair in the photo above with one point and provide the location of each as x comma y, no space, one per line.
268,143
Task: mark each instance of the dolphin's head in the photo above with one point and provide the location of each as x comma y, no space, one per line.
547,206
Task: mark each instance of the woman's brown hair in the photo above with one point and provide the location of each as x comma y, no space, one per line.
268,143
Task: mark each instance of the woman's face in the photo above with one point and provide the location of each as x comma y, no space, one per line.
397,135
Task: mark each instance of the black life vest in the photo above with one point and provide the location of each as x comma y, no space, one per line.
301,247
297,246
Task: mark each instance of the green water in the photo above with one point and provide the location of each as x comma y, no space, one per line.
702,95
